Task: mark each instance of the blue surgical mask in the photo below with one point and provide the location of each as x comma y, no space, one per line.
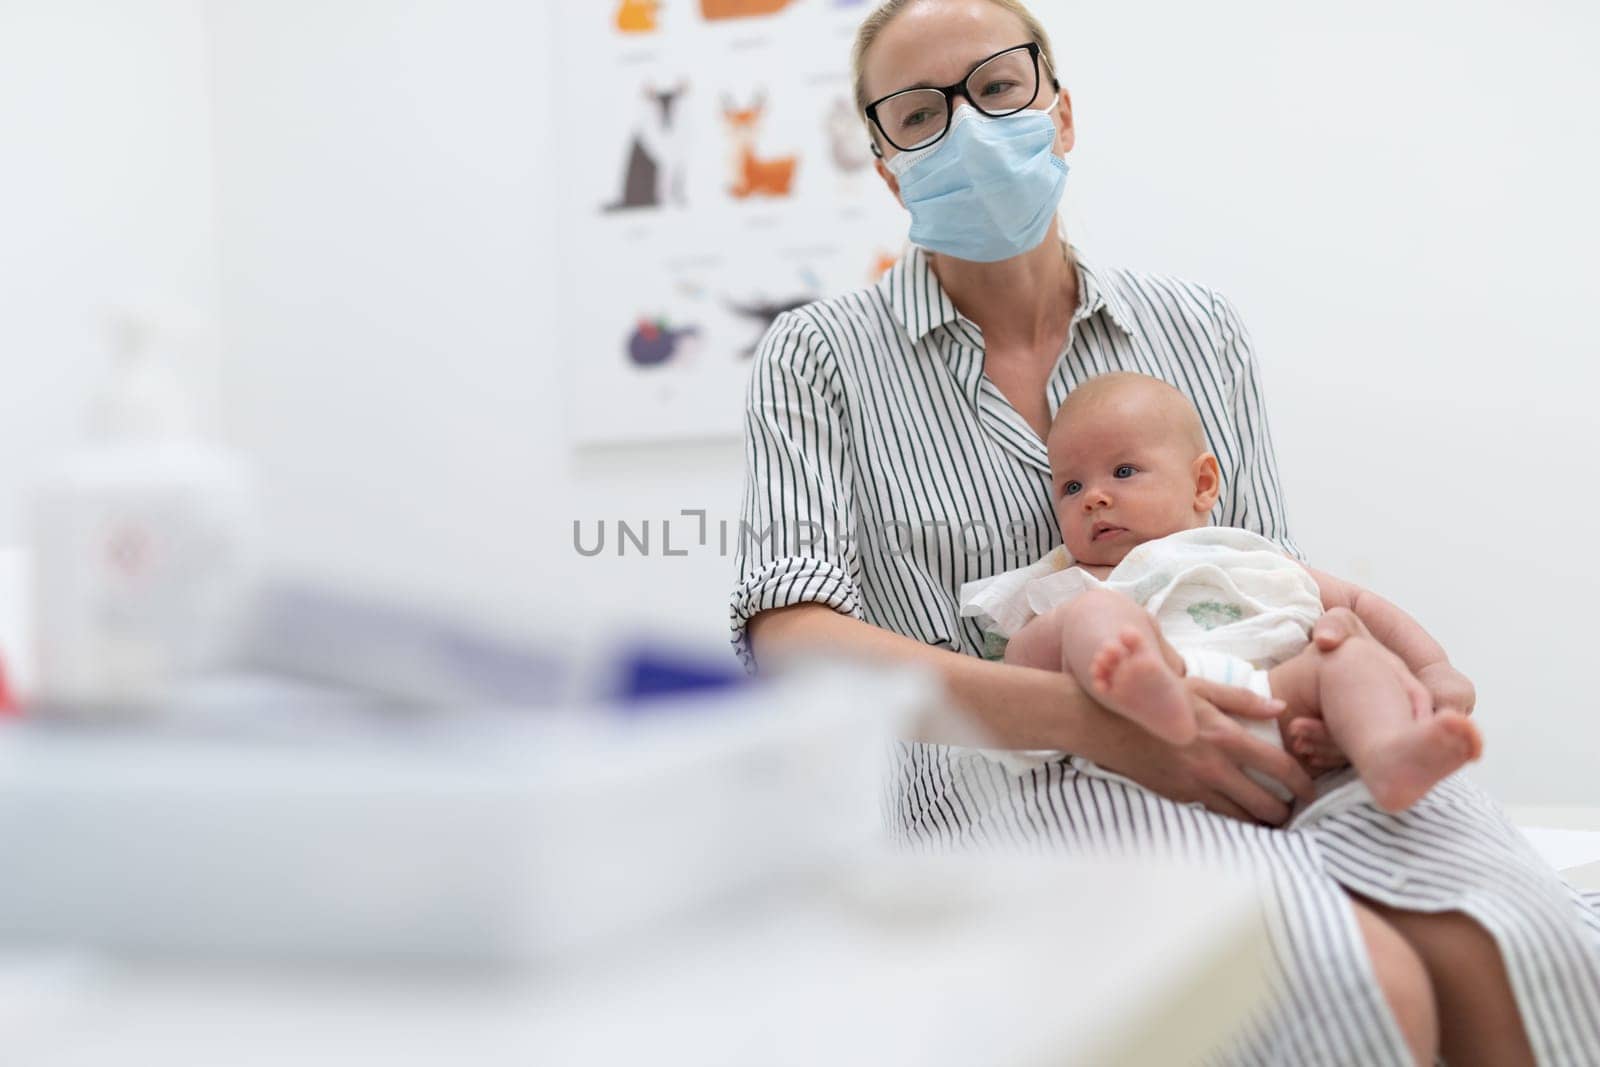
989,190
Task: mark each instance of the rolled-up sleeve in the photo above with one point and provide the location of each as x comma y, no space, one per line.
1256,502
796,540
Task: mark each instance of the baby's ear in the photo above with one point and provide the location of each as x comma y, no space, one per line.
1207,482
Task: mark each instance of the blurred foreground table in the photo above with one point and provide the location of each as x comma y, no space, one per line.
896,960
700,881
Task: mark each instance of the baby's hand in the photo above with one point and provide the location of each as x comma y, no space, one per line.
1451,690
1309,741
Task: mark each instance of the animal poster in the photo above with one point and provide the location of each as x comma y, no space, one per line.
713,175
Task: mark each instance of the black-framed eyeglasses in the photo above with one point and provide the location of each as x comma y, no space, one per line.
1002,84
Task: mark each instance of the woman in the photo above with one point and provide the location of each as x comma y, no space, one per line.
895,451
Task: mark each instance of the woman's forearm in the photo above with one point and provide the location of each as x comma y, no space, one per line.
1016,707
1393,628
1399,632
1021,707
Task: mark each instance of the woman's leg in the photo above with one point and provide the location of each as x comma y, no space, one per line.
1452,852
1482,1025
1406,985
1335,990
1489,906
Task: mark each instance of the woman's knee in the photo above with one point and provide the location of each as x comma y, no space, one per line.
1453,946
1403,978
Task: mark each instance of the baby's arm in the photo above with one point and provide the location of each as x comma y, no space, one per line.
1405,637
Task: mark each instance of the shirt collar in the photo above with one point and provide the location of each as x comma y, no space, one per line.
915,297
1099,291
920,304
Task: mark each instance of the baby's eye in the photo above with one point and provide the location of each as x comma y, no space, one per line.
1071,488
1127,470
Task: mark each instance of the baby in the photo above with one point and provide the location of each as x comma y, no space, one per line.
1152,592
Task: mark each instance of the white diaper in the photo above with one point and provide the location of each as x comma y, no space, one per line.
1229,670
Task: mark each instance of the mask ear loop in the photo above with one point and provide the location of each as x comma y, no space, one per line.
1055,84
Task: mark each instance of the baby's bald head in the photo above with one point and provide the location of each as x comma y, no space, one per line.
1128,464
1138,400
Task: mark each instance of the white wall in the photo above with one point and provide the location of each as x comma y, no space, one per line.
1396,195
105,165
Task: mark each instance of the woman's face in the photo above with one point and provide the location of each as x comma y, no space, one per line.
939,42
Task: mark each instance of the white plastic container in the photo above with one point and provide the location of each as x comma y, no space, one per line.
140,545
502,840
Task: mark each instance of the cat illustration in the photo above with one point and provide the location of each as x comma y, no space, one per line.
637,16
740,9
753,176
654,172
765,312
847,138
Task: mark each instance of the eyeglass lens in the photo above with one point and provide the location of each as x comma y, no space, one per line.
1001,86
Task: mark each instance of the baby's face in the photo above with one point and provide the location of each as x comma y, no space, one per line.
1120,479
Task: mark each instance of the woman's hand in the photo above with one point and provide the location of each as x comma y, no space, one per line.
1210,770
1450,689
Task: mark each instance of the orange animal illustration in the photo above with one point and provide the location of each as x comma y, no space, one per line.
740,9
637,16
753,176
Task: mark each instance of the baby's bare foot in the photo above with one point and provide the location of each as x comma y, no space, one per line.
1419,758
1131,677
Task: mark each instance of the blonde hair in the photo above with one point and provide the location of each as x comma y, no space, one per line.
885,13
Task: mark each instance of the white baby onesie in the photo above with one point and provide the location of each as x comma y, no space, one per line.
1230,601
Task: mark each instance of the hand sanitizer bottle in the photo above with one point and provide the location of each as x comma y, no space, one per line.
142,561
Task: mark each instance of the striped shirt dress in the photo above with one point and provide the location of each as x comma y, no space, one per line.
883,471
